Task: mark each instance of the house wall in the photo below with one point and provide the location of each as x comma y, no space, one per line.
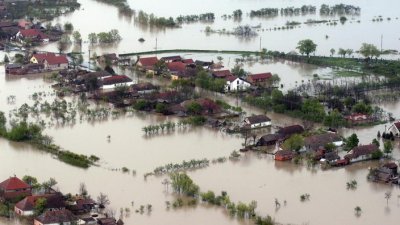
56,66
361,158
23,213
112,86
394,130
234,85
264,124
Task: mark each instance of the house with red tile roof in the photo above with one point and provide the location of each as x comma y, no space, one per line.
361,152
50,61
13,187
55,217
221,73
259,79
395,128
26,206
355,118
147,63
112,82
234,83
34,35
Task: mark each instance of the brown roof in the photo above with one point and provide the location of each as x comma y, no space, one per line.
13,183
61,59
283,153
260,76
320,140
362,150
171,58
231,78
221,73
56,216
107,221
116,80
258,119
33,33
53,201
290,130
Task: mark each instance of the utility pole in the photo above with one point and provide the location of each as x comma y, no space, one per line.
89,59
156,47
260,43
381,43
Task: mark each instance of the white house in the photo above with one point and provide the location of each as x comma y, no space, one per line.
395,128
112,82
234,83
257,121
361,152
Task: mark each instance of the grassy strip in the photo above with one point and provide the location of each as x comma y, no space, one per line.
189,50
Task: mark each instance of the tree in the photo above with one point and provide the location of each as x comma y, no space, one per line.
220,59
375,142
68,27
388,195
350,52
103,200
342,52
294,143
92,37
334,119
32,181
238,71
77,37
6,59
40,206
368,51
332,51
313,110
82,189
387,147
352,141
357,210
306,46
49,184
183,184
194,108
63,43
160,67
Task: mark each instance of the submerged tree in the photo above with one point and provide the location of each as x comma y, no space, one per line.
306,46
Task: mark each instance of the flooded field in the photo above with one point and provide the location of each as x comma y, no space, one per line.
253,177
191,36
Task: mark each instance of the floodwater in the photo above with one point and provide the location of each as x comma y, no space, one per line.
254,177
191,36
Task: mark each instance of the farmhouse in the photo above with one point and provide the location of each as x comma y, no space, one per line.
257,121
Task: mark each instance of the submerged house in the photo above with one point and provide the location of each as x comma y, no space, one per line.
34,35
286,132
269,139
26,207
147,64
260,79
13,188
50,61
56,217
318,141
284,155
257,121
395,128
116,81
360,153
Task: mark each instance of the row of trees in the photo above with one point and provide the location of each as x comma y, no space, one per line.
105,37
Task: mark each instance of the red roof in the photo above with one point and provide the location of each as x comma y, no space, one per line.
176,66
116,80
357,116
397,124
33,33
42,56
148,61
29,202
13,183
221,73
188,61
231,78
260,76
61,59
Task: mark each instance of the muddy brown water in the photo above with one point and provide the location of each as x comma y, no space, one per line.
254,177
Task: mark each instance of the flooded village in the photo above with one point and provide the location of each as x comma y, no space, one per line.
266,112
